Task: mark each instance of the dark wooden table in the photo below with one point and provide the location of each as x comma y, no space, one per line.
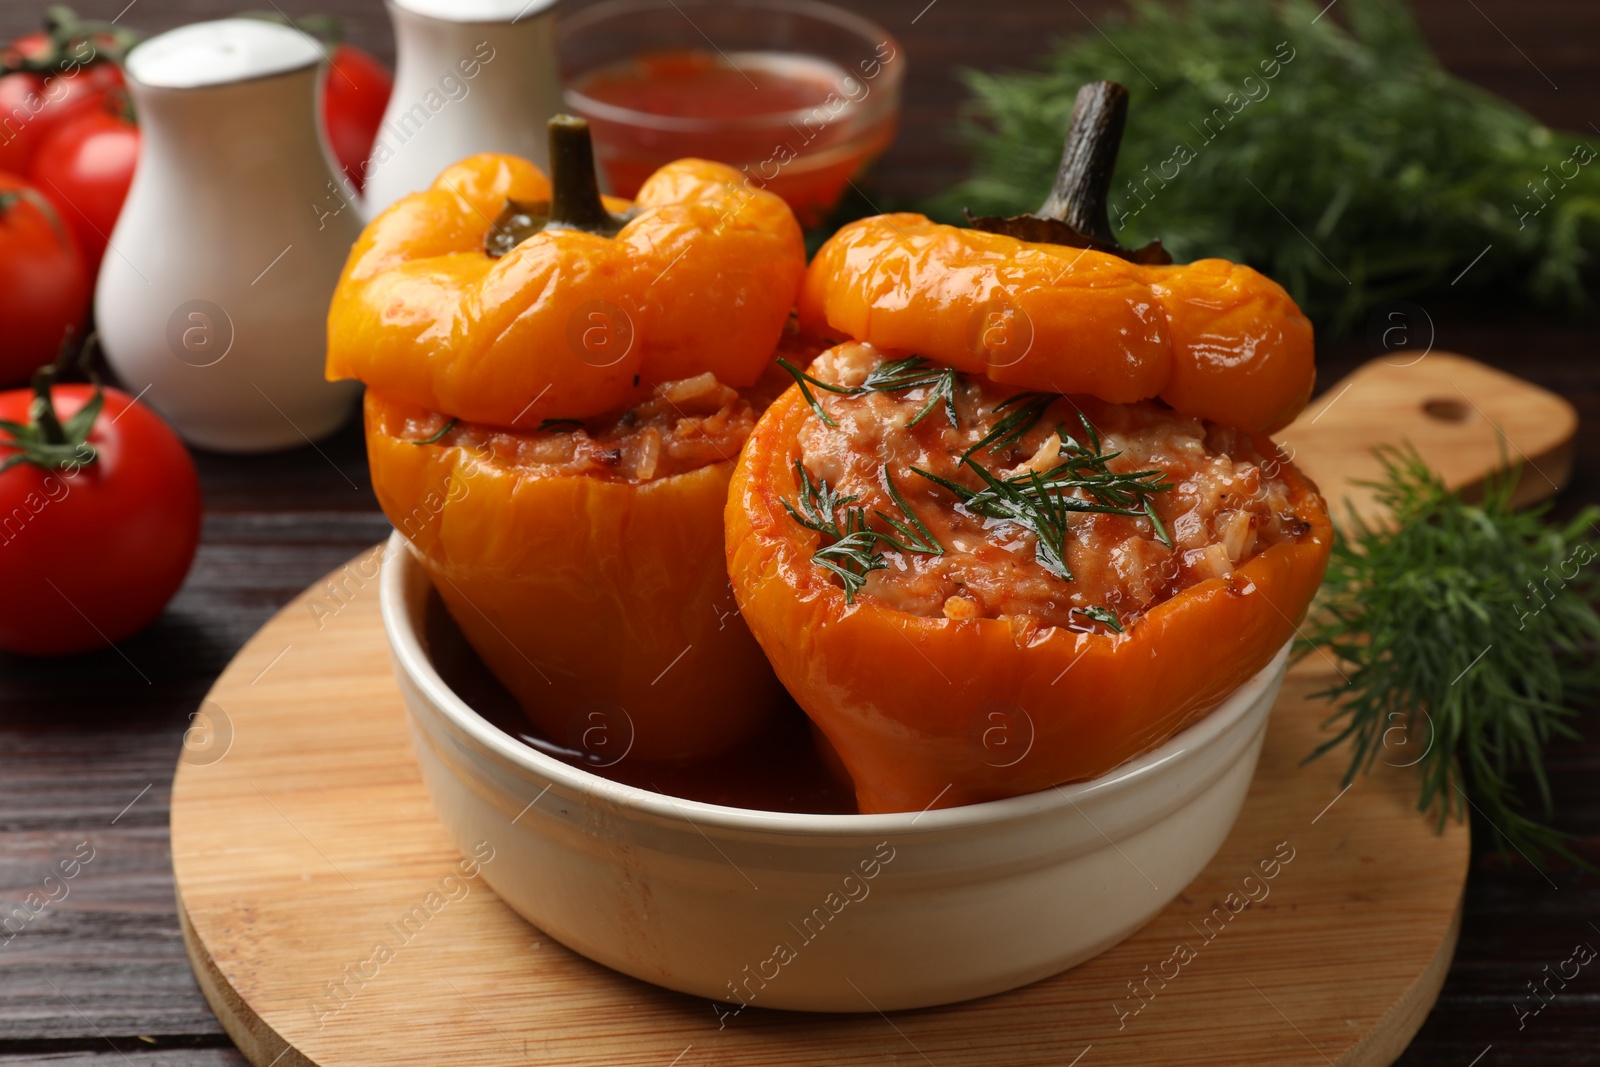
88,745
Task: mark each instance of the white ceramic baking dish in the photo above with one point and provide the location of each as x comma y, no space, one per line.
823,912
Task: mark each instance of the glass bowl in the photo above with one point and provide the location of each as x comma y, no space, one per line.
802,95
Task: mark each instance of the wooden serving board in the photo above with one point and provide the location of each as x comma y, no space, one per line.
301,830
1464,418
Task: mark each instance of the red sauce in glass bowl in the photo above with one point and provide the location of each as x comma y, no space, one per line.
704,85
799,125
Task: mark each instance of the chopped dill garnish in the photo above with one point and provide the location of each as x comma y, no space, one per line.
806,381
1086,466
854,553
819,504
896,374
1155,520
1022,413
1027,502
1105,616
1040,502
1467,632
918,538
435,438
890,376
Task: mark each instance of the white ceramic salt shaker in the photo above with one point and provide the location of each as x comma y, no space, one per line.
214,292
470,76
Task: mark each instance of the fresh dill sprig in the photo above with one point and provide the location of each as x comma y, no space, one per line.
890,376
1086,466
806,381
1469,630
1040,502
1022,413
895,375
854,552
917,536
819,504
1024,501
1155,520
852,557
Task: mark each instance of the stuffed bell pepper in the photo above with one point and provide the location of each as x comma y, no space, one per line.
558,385
1024,522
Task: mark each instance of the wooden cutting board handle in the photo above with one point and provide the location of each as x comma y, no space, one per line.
1466,420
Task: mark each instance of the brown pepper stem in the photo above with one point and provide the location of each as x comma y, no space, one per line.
575,202
1075,213
1088,159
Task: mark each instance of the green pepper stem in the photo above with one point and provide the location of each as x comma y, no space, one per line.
575,202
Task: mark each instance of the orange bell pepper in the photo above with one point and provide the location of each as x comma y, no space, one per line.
911,703
700,275
603,606
493,313
942,663
1211,338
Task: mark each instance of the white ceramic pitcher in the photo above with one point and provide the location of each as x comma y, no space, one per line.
470,76
215,290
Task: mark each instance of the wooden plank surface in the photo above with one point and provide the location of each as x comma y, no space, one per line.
78,743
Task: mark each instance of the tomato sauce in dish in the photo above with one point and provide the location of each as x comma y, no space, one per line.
707,86
799,125
1223,505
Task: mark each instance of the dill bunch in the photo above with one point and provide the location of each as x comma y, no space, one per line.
1469,632
1397,173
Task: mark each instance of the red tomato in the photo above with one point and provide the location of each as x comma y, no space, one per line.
85,165
354,94
44,286
101,76
31,105
30,48
22,107
90,554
